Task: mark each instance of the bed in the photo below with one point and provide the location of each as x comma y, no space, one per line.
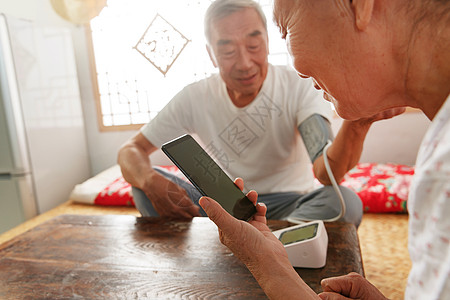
383,188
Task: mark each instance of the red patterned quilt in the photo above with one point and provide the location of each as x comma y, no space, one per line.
383,188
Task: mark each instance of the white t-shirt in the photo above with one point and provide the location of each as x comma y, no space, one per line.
429,210
260,142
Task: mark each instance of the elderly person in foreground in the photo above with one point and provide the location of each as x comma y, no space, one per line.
367,56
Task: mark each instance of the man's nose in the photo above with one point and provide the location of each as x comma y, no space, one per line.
244,60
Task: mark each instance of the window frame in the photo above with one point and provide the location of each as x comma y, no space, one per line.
96,85
96,90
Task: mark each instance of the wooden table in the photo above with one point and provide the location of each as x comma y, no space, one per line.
117,257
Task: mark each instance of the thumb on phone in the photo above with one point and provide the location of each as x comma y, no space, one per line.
217,214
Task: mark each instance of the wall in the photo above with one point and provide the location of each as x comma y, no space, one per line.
393,140
37,10
103,146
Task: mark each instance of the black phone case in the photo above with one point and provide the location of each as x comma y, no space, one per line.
243,208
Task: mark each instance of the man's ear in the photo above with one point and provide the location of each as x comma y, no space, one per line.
363,10
211,55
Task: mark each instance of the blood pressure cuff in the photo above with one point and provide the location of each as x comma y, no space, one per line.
316,132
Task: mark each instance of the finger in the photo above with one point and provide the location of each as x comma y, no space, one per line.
341,284
261,210
195,210
184,211
182,203
240,183
164,203
332,296
160,206
333,284
175,211
400,110
186,204
165,207
253,196
191,211
390,113
226,223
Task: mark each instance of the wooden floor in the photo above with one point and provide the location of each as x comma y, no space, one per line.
383,240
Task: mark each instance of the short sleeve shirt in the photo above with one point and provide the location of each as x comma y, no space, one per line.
259,142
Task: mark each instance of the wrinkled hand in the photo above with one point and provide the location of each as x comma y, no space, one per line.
249,241
350,286
169,199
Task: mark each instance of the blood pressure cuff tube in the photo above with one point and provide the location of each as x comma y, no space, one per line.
316,132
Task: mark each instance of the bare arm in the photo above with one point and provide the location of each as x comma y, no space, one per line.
168,199
346,149
344,153
134,161
264,255
258,248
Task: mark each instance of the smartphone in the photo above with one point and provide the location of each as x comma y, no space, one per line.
206,175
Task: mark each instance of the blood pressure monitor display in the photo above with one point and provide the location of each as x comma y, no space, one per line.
298,234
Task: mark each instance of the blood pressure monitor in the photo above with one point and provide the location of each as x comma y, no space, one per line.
306,244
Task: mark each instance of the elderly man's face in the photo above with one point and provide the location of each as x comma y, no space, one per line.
239,47
347,63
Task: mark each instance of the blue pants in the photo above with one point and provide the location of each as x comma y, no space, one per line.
320,204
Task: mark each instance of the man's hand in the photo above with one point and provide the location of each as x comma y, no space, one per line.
345,151
351,286
169,199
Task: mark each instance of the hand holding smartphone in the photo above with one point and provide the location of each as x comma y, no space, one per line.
206,175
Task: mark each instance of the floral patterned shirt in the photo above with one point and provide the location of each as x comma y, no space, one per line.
429,210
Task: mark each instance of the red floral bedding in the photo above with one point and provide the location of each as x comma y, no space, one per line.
382,188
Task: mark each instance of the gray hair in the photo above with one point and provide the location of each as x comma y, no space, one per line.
223,8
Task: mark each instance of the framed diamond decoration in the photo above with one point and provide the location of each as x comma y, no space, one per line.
161,44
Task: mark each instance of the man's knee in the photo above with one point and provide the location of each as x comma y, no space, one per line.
353,205
325,204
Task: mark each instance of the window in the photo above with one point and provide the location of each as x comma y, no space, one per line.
147,51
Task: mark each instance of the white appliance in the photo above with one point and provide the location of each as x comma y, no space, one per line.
43,151
306,244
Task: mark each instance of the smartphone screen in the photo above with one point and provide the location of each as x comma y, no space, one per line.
206,175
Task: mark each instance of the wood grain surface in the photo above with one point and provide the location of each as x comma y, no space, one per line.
124,257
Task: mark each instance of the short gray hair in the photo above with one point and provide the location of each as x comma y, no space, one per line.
223,8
